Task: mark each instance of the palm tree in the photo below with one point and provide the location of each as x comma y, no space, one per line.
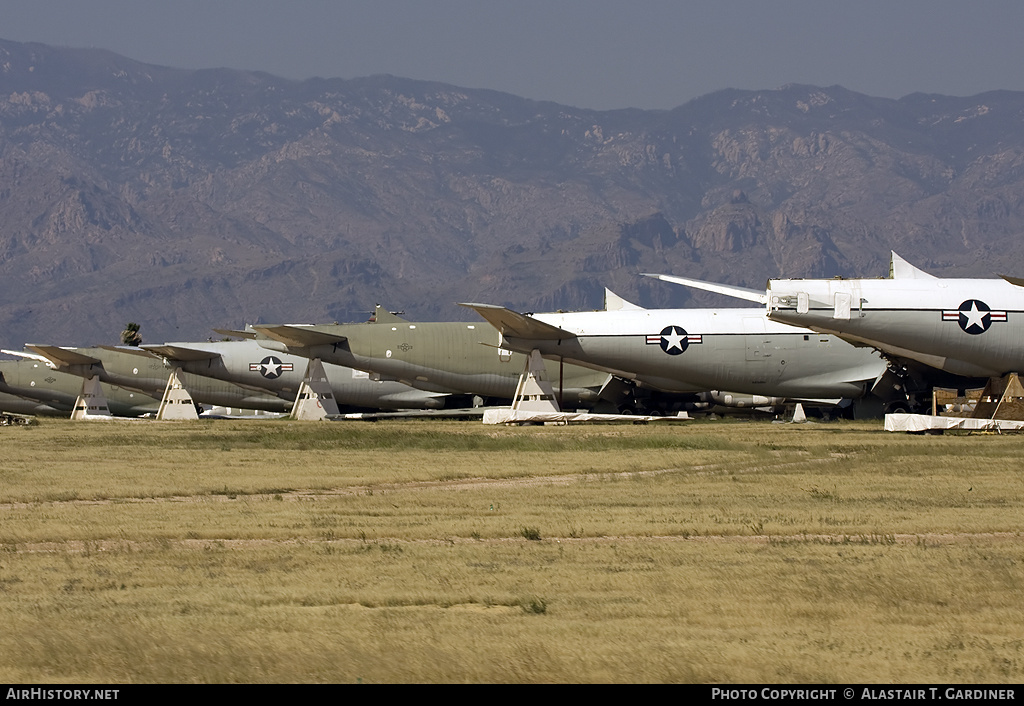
130,336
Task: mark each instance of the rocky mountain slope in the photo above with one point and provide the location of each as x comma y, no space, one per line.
186,200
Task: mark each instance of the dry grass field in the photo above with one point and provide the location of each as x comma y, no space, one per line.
416,551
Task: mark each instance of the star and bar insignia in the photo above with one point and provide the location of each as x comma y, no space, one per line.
271,367
674,340
974,316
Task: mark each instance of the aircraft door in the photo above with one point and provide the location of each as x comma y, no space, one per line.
757,342
764,362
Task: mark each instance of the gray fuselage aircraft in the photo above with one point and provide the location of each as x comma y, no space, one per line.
36,381
13,404
689,350
446,357
248,365
142,371
954,332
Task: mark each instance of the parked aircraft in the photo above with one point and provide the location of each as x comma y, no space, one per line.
144,372
951,331
248,365
58,391
689,350
12,404
444,357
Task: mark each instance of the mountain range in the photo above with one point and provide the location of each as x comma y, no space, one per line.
186,200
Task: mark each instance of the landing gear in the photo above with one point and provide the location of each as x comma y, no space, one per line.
897,407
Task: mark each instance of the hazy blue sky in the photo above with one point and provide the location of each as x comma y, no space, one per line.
586,53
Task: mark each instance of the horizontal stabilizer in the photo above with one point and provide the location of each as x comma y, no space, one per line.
512,324
753,295
62,357
174,351
297,336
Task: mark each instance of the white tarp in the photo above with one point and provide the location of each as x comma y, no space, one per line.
924,422
508,416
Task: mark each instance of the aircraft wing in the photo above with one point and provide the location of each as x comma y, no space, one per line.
299,336
62,357
183,353
235,334
754,295
30,356
131,350
515,325
1016,281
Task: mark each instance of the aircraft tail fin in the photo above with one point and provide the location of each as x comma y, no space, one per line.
613,302
901,269
383,316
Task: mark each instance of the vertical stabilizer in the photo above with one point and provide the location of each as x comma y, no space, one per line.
613,302
316,398
383,316
177,403
901,269
92,403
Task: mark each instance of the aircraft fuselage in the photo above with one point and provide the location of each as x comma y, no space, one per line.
689,350
58,390
446,357
144,372
966,327
247,364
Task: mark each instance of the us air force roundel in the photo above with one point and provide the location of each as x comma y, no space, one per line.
673,340
974,316
271,367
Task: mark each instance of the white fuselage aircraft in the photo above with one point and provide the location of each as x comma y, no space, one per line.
692,350
969,328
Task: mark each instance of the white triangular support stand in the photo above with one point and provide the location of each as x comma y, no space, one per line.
534,392
799,416
177,403
92,402
534,402
316,398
